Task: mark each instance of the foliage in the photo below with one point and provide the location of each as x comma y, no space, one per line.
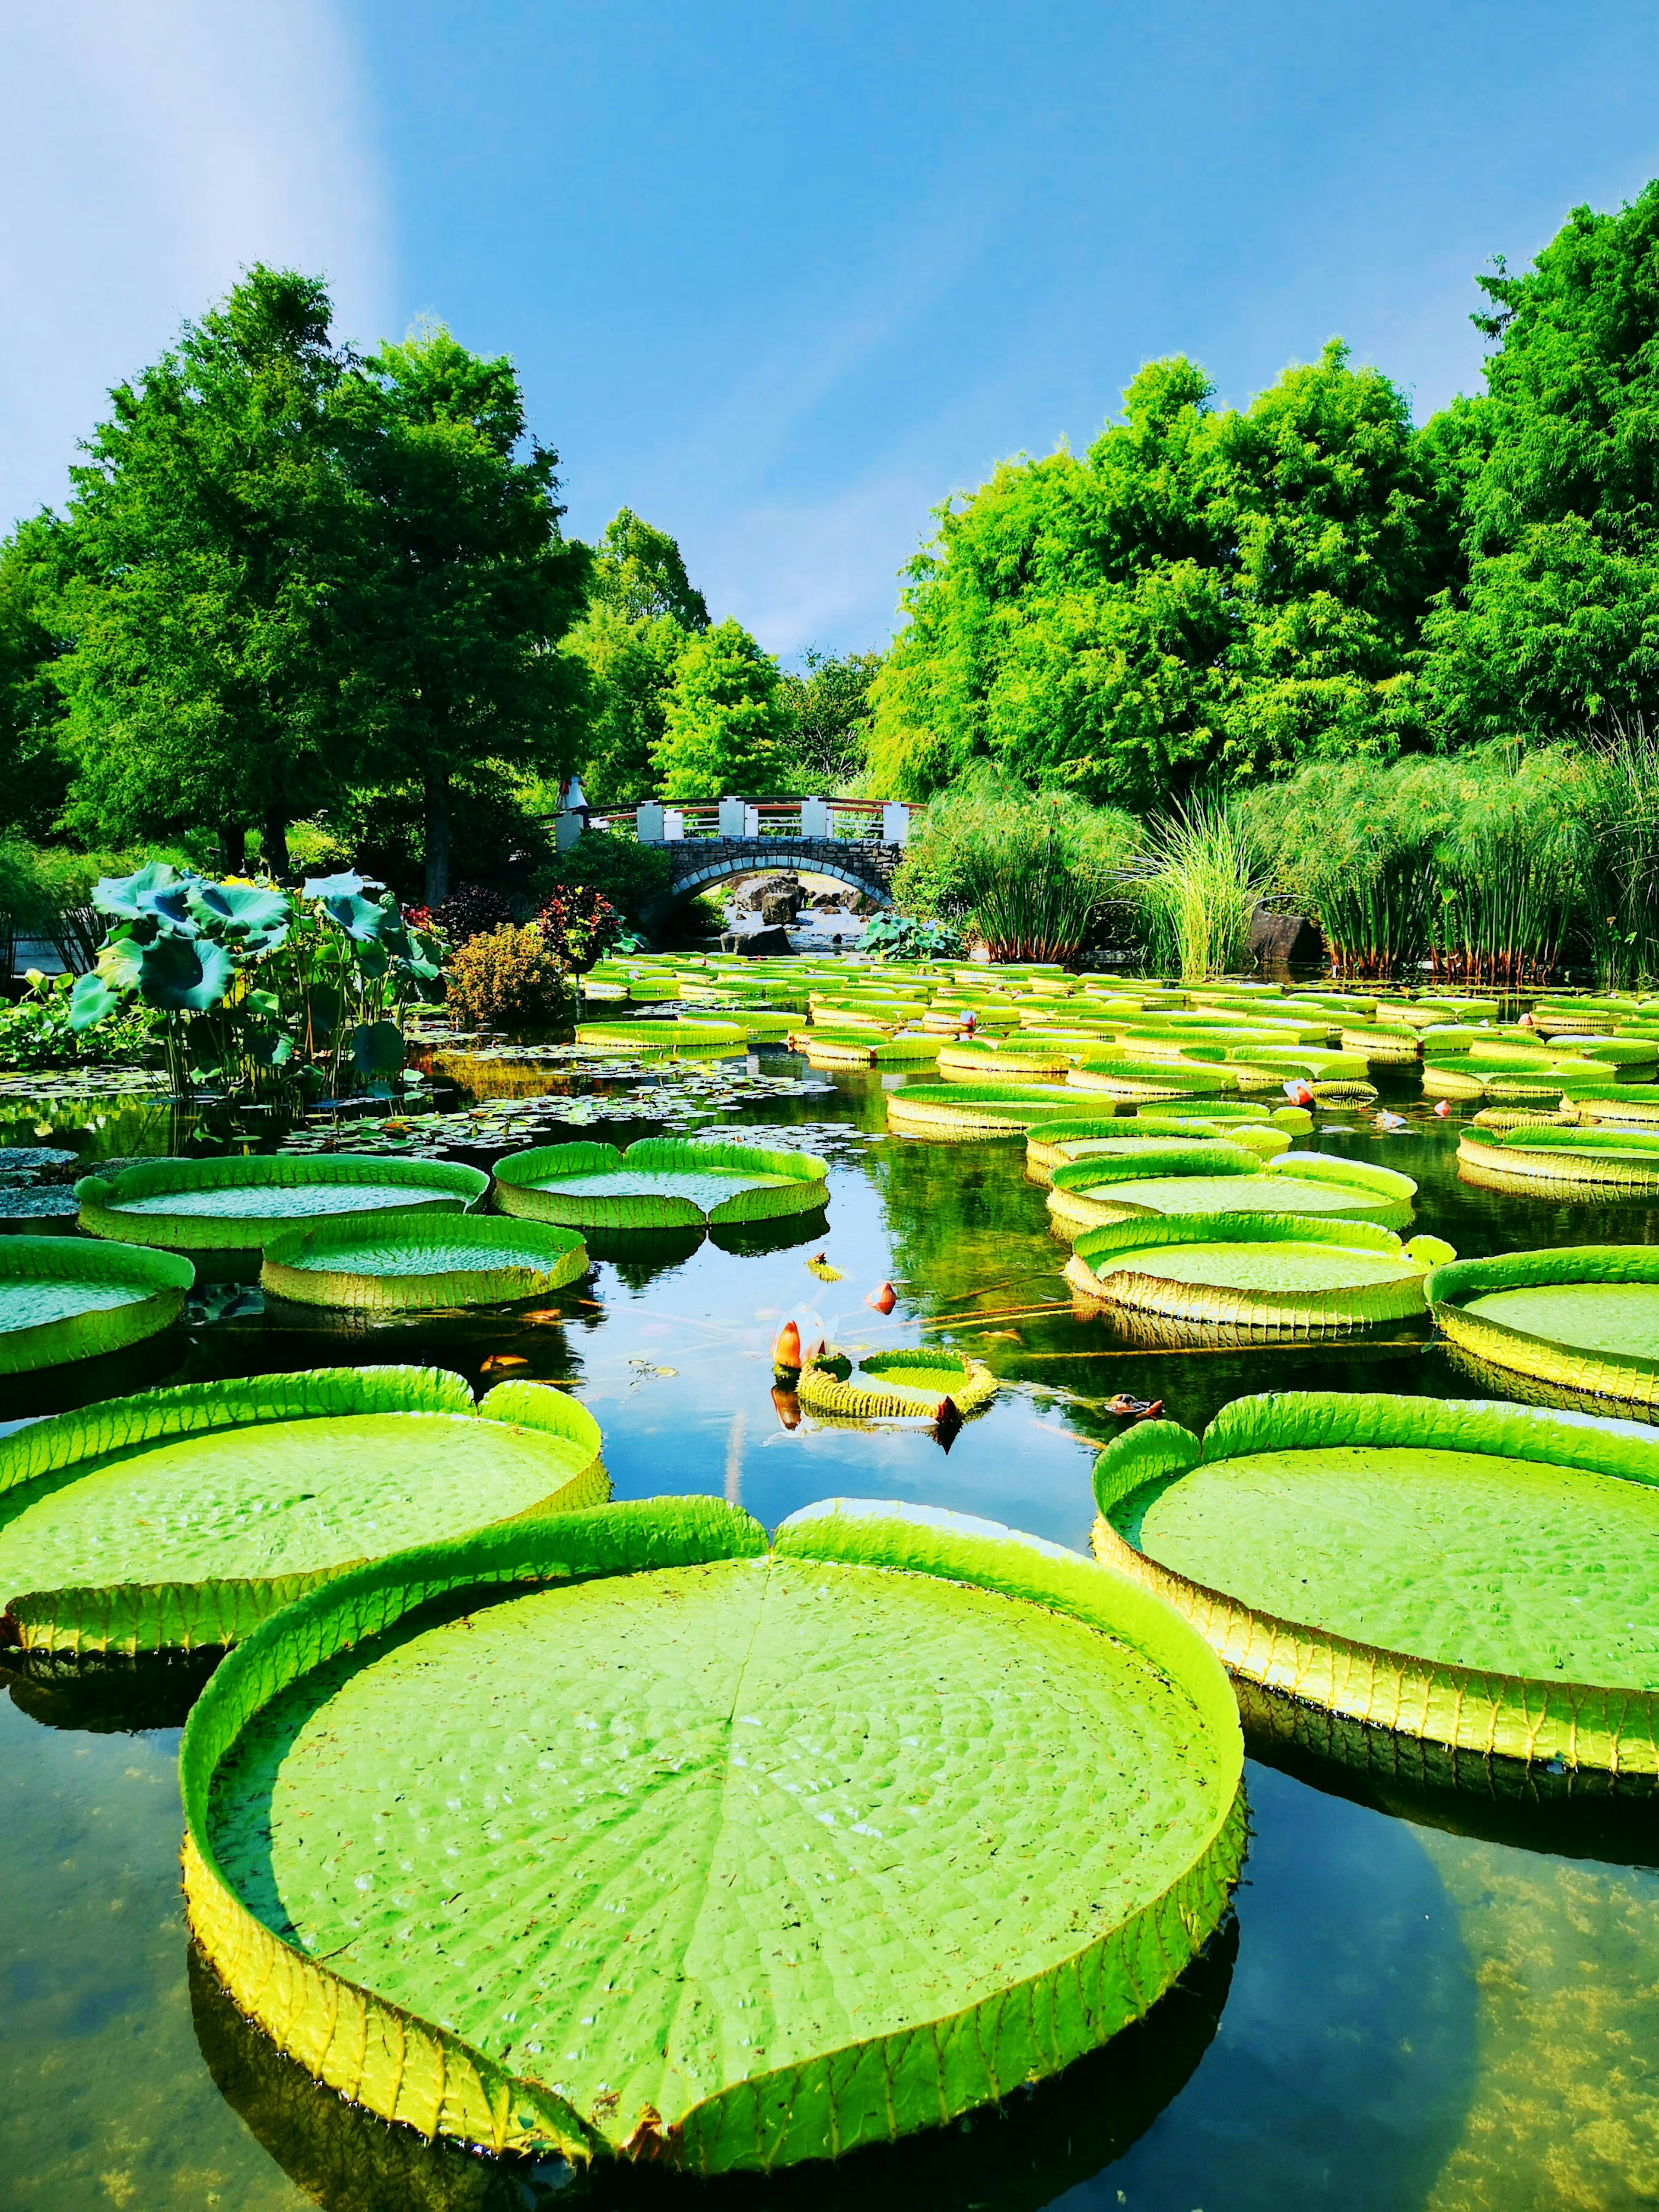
460,580
578,924
1030,875
726,725
641,610
1205,593
633,877
509,978
1622,778
1197,883
470,912
261,992
1480,864
1559,625
829,704
37,1030
901,936
207,529
34,756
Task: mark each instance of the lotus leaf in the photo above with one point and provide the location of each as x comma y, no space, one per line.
1226,1179
156,898
899,1383
181,1517
413,1263
661,1182
1264,1275
238,1204
1478,1574
62,1298
255,918
177,974
1584,1318
867,1831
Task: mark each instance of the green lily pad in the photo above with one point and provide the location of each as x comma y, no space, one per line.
1584,1318
238,1204
960,1111
413,1263
183,1517
653,1843
1214,1177
1265,1274
893,1384
1481,1575
64,1298
661,1182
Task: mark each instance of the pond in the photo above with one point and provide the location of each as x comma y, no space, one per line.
1427,1998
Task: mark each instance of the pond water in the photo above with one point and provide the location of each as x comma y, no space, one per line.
1435,1996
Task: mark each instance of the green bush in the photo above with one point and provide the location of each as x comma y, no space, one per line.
635,878
510,979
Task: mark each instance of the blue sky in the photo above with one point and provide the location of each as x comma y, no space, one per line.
778,276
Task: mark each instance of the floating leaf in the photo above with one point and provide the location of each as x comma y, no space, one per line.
1069,1811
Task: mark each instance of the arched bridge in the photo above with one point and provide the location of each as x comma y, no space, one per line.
859,842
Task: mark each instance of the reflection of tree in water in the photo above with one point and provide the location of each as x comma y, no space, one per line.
107,1694
964,1218
1014,2157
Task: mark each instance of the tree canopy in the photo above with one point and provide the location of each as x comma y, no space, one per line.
727,726
829,706
642,611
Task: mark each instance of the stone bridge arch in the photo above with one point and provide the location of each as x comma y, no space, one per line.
697,863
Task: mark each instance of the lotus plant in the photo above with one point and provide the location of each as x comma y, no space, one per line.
260,992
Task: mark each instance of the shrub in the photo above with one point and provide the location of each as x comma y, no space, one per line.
1198,883
901,936
509,978
578,924
471,911
635,878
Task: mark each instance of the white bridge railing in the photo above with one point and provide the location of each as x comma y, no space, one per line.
867,821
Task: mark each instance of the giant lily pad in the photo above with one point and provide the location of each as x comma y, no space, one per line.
1023,1057
1146,1079
661,1182
1562,1161
1266,1275
237,1204
675,1036
1224,1178
891,1385
1478,1574
420,1263
180,1517
1584,1317
653,1843
962,1112
62,1298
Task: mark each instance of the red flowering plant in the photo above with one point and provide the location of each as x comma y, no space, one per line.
578,923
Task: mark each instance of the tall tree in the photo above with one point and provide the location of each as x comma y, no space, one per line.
463,585
35,765
727,726
1560,623
204,543
642,611
1206,591
829,704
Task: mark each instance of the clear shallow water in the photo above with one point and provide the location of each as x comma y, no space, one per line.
1431,1998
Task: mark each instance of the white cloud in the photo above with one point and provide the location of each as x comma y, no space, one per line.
153,148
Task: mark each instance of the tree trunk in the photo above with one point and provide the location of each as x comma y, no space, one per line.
437,836
273,843
233,850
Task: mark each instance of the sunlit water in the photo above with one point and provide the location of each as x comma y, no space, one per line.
1432,1997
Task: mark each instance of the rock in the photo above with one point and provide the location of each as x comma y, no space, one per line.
1279,940
778,908
833,902
757,944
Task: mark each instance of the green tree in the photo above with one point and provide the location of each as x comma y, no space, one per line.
1205,593
727,726
642,611
462,585
1560,623
829,704
205,539
35,762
